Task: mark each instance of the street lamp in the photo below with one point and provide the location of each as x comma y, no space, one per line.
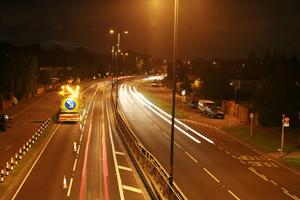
175,31
117,59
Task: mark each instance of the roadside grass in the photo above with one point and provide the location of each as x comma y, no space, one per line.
295,162
25,164
265,139
179,114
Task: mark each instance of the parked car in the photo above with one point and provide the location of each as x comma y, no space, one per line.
156,83
214,112
5,122
202,104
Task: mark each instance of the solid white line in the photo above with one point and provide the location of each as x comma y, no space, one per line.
196,161
132,189
74,166
211,175
34,163
120,153
70,187
125,168
233,194
121,192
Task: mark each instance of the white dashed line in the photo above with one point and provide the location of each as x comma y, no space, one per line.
132,189
220,147
258,174
78,149
196,161
177,144
233,194
80,138
211,175
74,166
120,153
228,152
70,187
274,183
125,168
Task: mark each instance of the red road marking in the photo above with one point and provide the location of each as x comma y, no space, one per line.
83,180
105,170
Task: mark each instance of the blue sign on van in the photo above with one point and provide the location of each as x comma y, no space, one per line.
70,104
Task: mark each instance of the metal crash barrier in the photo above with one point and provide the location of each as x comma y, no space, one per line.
153,174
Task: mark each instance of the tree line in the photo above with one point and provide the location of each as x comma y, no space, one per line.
270,84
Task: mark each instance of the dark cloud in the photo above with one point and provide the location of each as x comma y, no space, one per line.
207,28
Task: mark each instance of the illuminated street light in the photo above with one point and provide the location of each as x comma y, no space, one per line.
117,60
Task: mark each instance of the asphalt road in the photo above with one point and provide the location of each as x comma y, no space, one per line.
99,168
208,164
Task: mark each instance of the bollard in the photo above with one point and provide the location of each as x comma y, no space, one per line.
12,161
24,150
7,169
16,158
74,147
2,175
65,186
20,154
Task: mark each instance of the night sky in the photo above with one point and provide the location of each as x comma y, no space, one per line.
207,28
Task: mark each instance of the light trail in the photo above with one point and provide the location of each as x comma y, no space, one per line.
164,118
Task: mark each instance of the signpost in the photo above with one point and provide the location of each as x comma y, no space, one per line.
251,126
285,123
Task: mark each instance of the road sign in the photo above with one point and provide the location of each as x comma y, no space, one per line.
251,115
286,122
70,104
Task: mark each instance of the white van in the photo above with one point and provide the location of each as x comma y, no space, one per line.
202,104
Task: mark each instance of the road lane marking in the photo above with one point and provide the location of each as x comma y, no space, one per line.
78,149
233,194
211,175
274,183
228,152
132,189
177,144
121,192
70,187
104,156
125,168
258,174
74,165
220,147
35,163
83,174
196,161
81,138
243,162
120,153
292,196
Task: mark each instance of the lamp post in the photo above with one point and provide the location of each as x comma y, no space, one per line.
117,61
175,31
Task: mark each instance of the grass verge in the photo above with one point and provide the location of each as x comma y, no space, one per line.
295,162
